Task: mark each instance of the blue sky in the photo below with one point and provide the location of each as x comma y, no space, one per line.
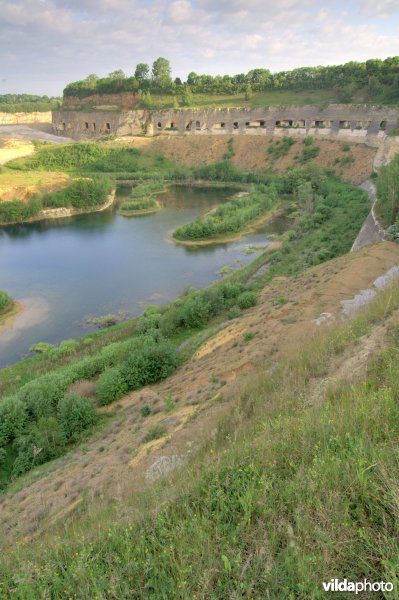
45,44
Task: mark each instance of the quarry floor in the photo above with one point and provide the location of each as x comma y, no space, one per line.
117,461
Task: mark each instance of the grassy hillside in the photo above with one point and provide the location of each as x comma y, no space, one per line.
298,485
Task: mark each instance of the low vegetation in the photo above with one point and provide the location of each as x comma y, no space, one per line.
5,302
29,415
12,103
231,217
80,194
388,196
305,488
139,206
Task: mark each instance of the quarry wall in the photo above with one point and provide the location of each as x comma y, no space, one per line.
335,120
19,118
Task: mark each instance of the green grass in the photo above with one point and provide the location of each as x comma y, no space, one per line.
230,218
287,495
5,302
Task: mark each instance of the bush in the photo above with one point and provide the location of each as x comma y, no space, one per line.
42,395
154,362
246,300
194,312
110,386
154,433
5,301
81,193
145,411
139,205
231,217
234,312
13,417
75,414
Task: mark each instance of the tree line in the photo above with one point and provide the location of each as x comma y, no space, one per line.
378,76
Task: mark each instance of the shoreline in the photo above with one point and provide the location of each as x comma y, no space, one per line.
7,318
62,212
140,212
251,228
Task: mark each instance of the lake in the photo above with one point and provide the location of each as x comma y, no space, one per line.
68,270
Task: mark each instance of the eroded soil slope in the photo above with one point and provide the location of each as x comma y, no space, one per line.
354,163
120,460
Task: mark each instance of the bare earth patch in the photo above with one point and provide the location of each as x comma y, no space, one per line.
23,185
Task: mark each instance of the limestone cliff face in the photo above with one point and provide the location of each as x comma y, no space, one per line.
124,101
24,117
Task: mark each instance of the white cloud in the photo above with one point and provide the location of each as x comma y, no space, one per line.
51,42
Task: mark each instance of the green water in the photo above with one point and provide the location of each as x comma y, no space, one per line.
70,269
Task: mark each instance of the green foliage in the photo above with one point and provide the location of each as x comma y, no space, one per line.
81,193
154,433
280,148
388,193
138,205
393,233
41,347
75,414
246,300
145,411
5,301
230,217
309,152
150,363
330,217
376,79
247,337
234,312
12,103
13,416
111,386
15,211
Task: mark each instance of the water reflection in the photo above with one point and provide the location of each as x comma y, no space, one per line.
101,263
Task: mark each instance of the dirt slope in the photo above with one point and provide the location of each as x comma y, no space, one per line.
118,457
251,153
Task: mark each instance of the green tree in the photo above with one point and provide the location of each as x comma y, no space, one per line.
91,79
142,72
161,72
188,98
118,74
248,92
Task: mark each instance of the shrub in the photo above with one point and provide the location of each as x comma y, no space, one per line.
13,417
42,395
194,312
246,300
145,411
41,347
155,432
110,386
234,312
5,301
248,335
153,362
75,414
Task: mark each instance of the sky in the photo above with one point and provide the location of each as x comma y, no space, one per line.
45,44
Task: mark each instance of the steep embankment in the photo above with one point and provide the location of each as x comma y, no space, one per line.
24,117
132,450
352,161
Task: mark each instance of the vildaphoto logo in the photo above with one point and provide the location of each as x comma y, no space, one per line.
344,585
